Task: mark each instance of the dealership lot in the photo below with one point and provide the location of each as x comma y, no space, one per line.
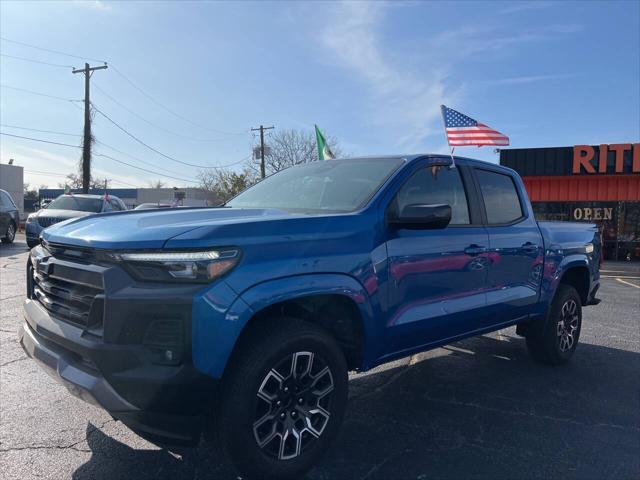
476,409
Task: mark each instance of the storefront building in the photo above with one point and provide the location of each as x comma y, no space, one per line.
586,183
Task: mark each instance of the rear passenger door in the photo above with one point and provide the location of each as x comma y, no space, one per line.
436,277
515,246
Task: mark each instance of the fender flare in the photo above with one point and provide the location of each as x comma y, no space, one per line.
212,354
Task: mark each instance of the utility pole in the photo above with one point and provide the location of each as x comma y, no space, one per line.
86,143
262,129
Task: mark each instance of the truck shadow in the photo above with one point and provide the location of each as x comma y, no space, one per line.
479,408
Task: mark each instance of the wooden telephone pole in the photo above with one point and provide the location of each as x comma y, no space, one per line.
86,143
262,129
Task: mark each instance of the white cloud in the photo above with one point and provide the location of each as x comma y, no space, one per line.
528,79
406,102
406,88
93,4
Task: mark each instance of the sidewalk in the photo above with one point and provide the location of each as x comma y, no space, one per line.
618,267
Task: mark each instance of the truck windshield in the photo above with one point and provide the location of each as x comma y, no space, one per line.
332,186
69,202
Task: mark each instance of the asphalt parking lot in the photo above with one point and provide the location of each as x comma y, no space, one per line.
476,409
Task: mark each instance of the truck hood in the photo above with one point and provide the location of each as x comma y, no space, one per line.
151,229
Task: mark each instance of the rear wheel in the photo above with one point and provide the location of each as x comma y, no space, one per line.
10,235
557,343
284,400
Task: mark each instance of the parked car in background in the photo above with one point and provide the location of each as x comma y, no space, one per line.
9,217
251,315
151,205
68,206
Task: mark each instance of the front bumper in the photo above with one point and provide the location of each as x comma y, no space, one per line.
115,359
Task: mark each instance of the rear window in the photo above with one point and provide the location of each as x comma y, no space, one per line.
501,200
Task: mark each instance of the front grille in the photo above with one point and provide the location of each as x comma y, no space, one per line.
45,222
69,291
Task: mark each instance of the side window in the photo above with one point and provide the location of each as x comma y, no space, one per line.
501,200
436,185
3,200
106,206
115,205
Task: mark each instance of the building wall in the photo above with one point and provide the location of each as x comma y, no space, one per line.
12,180
193,197
586,183
583,188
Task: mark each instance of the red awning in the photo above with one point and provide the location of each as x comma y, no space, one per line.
583,188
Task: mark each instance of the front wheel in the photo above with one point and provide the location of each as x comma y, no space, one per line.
10,236
284,399
557,343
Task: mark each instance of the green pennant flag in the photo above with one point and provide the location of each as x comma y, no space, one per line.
324,152
67,190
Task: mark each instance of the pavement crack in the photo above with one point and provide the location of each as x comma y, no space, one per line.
45,447
70,446
13,361
12,296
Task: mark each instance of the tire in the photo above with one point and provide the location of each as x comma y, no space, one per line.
557,343
260,404
10,234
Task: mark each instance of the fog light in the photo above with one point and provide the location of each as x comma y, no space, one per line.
165,340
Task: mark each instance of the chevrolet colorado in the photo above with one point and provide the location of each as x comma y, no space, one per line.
243,320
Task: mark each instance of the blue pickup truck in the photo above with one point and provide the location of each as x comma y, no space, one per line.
242,321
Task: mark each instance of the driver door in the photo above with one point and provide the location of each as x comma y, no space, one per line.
437,277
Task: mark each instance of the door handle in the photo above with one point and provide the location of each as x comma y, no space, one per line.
474,249
530,247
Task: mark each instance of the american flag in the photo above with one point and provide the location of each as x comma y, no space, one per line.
462,130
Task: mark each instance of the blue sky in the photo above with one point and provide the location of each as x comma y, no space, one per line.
370,74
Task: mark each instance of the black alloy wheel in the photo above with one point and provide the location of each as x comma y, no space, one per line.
284,395
557,342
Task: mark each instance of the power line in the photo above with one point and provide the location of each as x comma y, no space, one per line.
39,140
101,155
124,107
55,174
155,150
35,61
167,109
38,130
38,93
50,50
144,169
129,81
99,142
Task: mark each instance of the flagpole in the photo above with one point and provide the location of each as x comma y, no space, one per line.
451,149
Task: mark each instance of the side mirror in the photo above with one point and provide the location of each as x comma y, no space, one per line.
423,217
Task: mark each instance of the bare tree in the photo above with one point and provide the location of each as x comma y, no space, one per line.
225,183
157,184
74,181
288,147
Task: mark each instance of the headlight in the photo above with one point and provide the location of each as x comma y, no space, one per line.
31,218
203,266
